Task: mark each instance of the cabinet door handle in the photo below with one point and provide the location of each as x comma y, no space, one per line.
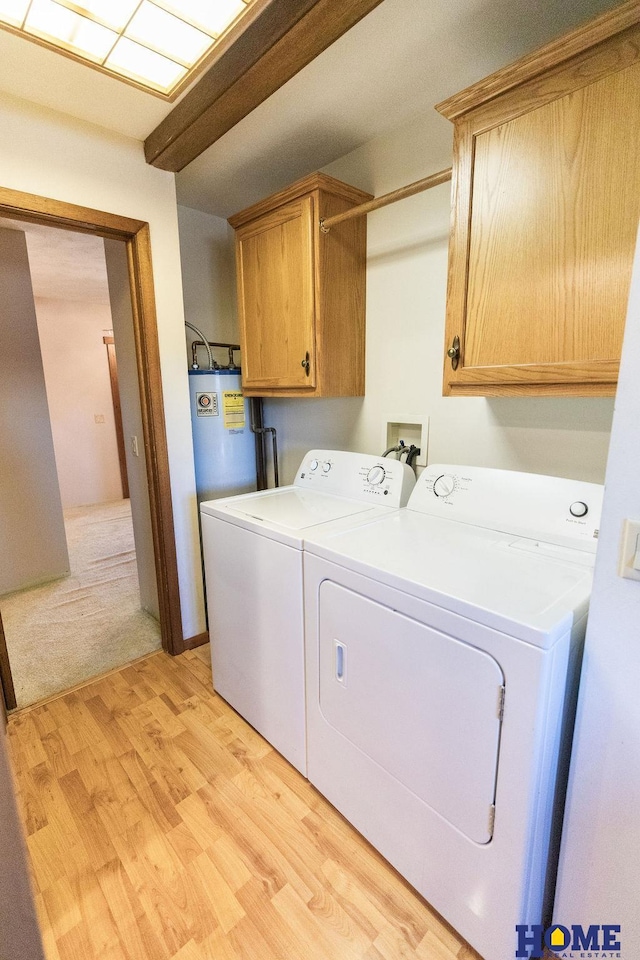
454,353
306,363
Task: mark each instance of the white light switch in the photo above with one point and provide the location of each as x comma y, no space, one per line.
134,446
629,558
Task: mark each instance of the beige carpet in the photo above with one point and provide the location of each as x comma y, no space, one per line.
69,630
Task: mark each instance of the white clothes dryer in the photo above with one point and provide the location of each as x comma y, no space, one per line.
253,547
443,646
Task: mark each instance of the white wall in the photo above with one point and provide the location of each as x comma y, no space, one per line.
209,278
54,156
76,373
33,545
406,294
599,875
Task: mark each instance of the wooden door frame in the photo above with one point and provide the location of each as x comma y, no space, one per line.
110,344
7,692
136,235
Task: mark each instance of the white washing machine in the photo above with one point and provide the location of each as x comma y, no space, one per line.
442,653
253,566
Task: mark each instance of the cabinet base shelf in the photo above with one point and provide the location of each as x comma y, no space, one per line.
532,390
301,394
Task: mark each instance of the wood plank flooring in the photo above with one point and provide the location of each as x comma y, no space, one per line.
161,826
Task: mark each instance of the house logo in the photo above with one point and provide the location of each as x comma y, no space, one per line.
573,943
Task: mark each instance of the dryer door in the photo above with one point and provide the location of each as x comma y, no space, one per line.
422,705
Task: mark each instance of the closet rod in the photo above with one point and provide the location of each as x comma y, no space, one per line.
433,181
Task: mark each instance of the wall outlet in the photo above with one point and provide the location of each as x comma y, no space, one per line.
98,417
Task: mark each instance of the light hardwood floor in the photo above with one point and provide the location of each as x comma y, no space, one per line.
161,826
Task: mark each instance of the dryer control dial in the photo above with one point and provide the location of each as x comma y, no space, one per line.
376,475
313,465
444,485
326,466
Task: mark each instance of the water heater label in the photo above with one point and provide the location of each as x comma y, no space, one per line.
233,409
207,405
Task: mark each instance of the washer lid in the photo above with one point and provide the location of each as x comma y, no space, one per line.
480,574
286,513
297,509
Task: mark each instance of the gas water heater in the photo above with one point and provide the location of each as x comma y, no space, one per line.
223,443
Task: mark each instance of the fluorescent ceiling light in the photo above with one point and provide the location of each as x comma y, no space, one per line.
13,11
114,13
214,16
54,22
154,43
164,33
135,61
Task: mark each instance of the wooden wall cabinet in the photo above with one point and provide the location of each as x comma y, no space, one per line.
546,202
301,293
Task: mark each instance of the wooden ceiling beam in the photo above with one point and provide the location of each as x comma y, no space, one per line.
284,38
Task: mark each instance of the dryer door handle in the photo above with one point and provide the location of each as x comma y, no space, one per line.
340,661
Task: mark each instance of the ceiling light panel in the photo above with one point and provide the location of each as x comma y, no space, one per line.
112,13
166,34
13,11
214,16
153,43
54,22
139,63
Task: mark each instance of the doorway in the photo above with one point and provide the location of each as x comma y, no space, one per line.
134,236
66,625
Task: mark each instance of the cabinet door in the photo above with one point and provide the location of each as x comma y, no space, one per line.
276,298
546,220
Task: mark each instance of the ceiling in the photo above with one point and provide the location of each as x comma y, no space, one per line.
64,265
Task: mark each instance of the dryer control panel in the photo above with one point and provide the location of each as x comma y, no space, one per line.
357,476
550,509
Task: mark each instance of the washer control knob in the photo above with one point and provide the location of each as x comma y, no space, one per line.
314,465
444,485
579,509
375,475
326,466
